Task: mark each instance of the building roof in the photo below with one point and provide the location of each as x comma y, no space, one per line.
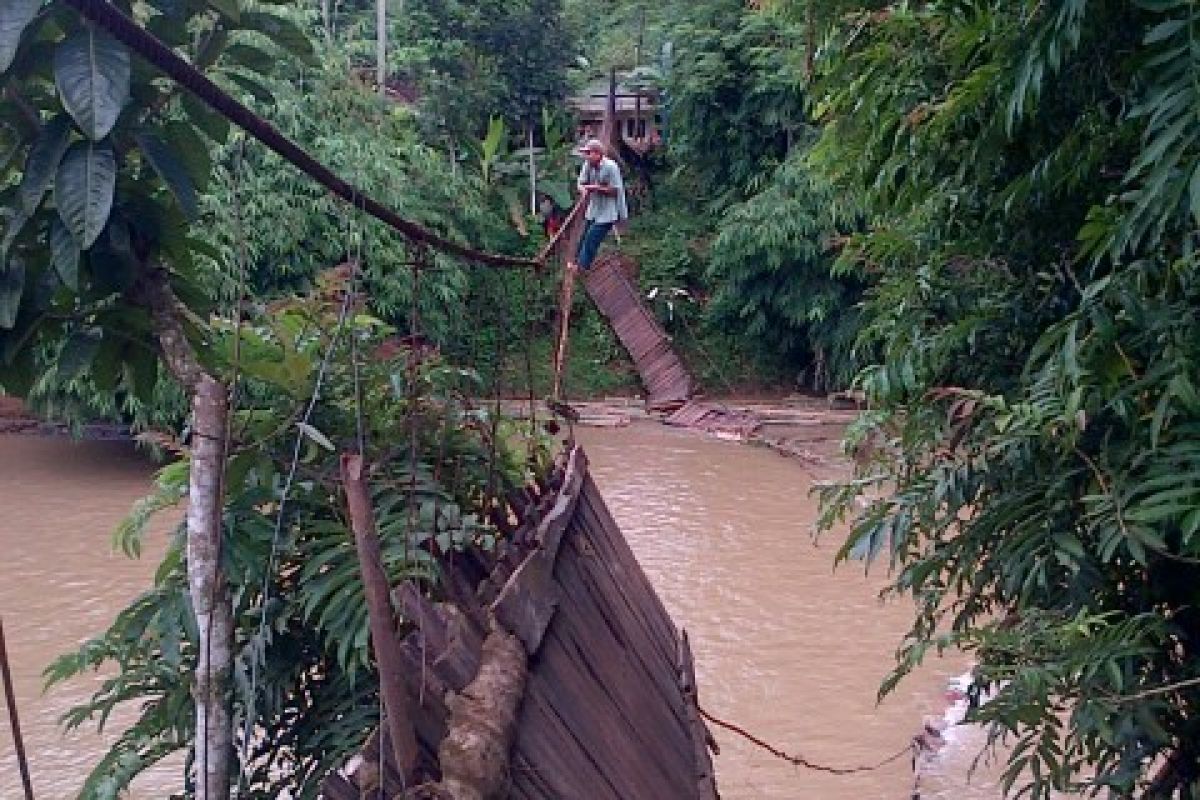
594,97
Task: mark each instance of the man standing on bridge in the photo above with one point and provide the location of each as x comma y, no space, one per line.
601,187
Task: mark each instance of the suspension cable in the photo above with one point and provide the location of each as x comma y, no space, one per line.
127,31
801,761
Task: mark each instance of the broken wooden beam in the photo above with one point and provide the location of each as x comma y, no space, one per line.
381,615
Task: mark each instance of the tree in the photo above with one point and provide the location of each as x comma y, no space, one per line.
104,160
1032,300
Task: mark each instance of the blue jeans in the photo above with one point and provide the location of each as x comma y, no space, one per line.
590,243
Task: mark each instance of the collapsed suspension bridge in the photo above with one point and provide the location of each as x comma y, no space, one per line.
551,668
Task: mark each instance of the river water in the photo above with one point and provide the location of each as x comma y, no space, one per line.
786,647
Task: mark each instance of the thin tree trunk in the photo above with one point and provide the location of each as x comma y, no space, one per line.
533,206
327,21
381,45
810,37
206,578
209,590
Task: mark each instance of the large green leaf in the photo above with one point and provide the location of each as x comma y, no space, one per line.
282,32
251,58
16,223
64,253
212,124
78,352
92,71
83,190
12,283
171,170
192,150
15,16
45,154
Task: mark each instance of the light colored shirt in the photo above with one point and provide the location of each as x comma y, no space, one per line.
604,207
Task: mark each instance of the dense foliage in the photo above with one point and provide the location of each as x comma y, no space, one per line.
1033,297
303,670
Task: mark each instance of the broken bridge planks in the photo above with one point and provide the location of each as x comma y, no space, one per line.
667,381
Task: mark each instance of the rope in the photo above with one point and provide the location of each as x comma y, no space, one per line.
123,28
800,761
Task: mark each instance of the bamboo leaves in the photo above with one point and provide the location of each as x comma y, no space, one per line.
92,71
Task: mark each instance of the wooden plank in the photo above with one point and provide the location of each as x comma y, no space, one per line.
458,662
702,740
527,601
381,615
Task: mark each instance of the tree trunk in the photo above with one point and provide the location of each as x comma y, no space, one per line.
533,203
483,722
206,578
483,725
381,45
810,39
210,593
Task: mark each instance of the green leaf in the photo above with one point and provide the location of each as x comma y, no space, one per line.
141,372
170,170
282,32
316,436
227,8
192,151
251,58
92,71
15,224
106,364
15,16
64,254
83,190
12,283
44,156
212,124
77,353
252,87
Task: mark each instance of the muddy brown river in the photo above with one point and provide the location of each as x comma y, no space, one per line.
786,646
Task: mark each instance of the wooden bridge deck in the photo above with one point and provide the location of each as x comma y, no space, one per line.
609,710
667,381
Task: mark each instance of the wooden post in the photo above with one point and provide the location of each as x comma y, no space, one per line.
381,615
10,697
565,299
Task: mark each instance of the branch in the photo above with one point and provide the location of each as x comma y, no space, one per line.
121,27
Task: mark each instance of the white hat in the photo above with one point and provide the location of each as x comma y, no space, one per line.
593,144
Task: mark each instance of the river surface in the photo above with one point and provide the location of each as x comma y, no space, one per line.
786,647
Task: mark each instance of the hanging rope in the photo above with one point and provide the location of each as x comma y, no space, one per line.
909,750
123,28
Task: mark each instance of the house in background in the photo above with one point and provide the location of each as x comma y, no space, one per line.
638,113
